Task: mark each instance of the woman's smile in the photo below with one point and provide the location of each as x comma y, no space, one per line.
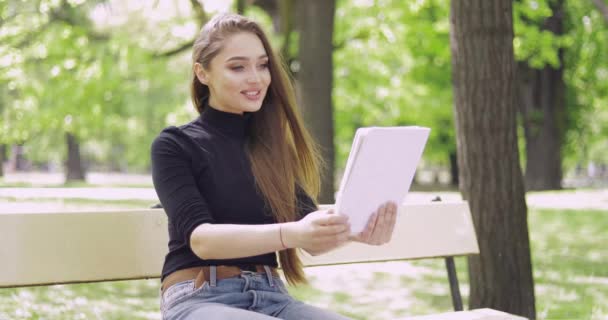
252,95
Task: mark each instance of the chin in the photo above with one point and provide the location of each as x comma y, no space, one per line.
252,106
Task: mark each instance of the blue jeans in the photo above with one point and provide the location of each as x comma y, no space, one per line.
251,296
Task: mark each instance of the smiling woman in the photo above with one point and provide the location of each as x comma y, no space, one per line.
237,83
238,184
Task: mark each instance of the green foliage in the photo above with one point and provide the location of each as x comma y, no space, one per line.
103,81
586,76
392,67
65,74
585,48
532,44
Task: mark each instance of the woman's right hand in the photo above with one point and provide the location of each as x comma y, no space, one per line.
318,232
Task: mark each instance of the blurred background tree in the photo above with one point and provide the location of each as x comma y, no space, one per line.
97,80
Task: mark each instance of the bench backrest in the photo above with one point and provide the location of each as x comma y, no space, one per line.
73,247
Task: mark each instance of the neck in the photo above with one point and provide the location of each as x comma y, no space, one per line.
230,124
216,106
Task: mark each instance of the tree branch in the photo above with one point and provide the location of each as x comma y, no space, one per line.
199,12
67,14
201,18
184,47
240,6
286,10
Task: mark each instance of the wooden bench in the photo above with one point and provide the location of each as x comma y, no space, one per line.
75,247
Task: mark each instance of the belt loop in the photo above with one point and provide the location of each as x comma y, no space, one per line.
269,275
213,275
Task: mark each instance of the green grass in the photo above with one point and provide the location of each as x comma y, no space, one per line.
570,258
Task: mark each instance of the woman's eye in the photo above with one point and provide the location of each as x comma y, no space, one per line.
264,66
237,68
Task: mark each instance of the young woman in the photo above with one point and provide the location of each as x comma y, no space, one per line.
238,184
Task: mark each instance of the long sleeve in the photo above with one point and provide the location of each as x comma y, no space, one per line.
173,176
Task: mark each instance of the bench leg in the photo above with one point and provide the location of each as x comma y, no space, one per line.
454,288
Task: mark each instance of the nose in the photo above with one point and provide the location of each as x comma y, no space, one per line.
254,77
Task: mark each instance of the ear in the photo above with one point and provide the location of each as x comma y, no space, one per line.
201,74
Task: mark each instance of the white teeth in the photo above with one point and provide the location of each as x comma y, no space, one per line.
252,93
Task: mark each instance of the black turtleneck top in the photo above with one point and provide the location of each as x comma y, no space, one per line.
202,174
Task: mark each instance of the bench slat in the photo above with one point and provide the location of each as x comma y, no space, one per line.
53,248
422,231
73,247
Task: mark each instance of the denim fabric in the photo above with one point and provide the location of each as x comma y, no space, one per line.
251,296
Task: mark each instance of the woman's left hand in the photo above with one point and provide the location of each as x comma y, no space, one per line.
380,226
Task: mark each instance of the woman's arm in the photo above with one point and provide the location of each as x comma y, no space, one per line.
318,232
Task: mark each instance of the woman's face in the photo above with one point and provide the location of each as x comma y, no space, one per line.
238,77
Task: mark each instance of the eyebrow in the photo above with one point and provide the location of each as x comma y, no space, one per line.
245,58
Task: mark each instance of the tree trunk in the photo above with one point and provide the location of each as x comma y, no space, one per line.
316,24
491,180
454,169
543,112
21,164
74,168
2,158
240,6
282,13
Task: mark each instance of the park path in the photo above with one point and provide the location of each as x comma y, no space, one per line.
34,198
23,198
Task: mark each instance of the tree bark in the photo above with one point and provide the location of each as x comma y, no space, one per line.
74,167
485,96
543,113
240,7
454,169
21,164
316,24
2,158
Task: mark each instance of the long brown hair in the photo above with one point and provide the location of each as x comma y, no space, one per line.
281,151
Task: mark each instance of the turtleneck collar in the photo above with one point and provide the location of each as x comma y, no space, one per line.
230,124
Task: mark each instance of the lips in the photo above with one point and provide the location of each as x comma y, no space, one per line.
252,94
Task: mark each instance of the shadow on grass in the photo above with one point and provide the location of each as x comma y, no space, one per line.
104,300
570,261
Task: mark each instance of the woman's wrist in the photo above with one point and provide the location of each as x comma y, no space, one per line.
288,234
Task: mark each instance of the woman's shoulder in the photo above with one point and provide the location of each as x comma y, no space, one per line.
182,137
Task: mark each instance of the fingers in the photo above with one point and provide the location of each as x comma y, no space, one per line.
326,238
332,240
392,221
376,237
328,224
330,218
334,229
380,226
367,233
387,223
